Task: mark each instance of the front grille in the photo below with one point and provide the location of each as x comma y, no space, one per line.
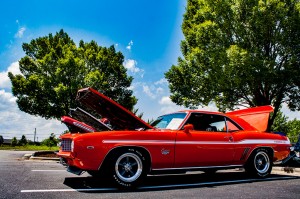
66,144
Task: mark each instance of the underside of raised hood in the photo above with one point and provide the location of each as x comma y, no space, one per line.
119,117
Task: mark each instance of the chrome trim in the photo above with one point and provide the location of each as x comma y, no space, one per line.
226,117
195,168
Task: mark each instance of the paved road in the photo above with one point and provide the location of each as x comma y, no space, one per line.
47,179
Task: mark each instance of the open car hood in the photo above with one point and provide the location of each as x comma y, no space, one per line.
83,122
119,117
89,119
76,126
258,117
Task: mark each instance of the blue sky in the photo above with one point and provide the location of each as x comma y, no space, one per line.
148,33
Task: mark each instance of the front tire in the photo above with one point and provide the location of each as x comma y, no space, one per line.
259,164
129,168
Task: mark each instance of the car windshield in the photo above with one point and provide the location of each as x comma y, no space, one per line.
170,121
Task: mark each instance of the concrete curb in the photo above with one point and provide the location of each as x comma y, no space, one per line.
31,156
286,169
43,158
27,156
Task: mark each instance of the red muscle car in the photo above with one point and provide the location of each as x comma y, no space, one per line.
124,148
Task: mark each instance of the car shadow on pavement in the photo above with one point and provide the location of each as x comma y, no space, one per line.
174,181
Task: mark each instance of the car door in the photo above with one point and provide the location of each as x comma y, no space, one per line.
209,143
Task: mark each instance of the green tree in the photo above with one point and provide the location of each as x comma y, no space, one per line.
14,142
293,130
1,140
290,127
51,141
54,68
23,141
239,53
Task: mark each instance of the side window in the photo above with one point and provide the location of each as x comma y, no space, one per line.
207,122
231,126
219,126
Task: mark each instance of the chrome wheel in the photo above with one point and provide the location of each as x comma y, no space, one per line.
261,162
128,167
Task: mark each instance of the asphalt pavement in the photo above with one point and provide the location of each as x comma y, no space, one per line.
22,178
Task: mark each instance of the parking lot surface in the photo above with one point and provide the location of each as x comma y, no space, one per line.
48,179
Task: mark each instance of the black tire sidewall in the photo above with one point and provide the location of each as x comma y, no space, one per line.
119,182
250,166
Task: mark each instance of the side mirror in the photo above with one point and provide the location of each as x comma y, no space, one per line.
187,128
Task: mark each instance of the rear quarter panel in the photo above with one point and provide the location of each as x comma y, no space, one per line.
248,141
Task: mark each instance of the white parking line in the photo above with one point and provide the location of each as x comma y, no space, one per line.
214,183
48,170
159,187
68,190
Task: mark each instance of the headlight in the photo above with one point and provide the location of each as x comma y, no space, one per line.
72,146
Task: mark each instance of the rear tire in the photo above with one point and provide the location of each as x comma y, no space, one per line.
259,163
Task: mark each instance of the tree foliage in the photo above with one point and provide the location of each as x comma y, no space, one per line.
51,141
290,127
54,68
14,142
23,141
239,53
1,140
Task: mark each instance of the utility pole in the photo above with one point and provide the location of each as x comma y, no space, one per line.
34,135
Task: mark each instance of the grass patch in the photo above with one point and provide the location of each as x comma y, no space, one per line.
30,148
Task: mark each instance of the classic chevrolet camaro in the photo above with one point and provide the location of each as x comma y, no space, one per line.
122,147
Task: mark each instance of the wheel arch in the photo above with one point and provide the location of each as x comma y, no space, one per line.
270,152
116,150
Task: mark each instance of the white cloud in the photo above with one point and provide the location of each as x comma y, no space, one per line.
4,79
159,90
15,123
161,81
165,101
130,44
147,91
167,106
20,32
131,65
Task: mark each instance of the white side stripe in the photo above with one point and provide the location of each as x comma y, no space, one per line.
247,141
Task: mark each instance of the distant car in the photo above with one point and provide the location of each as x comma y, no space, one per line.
128,149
